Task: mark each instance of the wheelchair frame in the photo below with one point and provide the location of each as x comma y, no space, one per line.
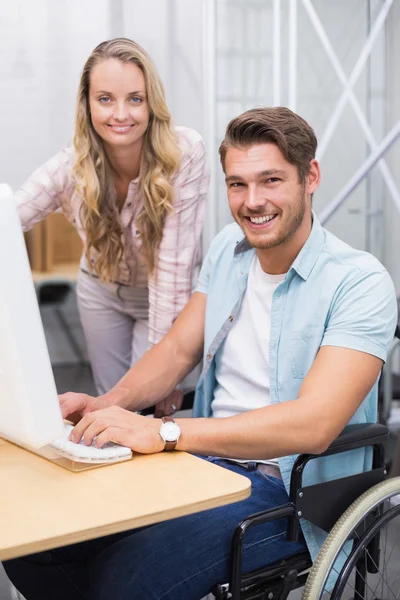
277,580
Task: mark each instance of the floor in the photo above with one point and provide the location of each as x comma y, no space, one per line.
71,376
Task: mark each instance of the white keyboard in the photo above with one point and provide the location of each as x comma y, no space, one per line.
89,454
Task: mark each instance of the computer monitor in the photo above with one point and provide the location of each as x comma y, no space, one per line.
29,410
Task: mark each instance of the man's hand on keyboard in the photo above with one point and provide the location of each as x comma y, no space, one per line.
74,406
115,424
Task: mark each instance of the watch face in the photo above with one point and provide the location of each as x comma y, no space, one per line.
170,431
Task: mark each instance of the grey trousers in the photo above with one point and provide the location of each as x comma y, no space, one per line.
115,322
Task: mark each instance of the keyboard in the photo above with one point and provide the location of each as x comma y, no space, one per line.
110,452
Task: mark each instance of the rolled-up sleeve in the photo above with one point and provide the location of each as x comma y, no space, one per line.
204,276
45,190
364,314
179,254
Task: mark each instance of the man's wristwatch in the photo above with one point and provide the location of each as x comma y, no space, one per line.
170,432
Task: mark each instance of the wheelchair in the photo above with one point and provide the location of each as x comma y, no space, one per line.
357,512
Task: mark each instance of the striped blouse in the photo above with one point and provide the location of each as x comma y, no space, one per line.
52,187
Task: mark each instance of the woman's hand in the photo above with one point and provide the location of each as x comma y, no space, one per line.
115,424
169,405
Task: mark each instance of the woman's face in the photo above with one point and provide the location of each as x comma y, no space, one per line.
118,103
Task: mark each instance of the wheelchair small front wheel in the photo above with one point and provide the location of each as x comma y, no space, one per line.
356,553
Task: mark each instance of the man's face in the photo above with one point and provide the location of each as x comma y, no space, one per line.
265,195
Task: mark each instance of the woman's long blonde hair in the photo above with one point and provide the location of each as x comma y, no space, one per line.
94,182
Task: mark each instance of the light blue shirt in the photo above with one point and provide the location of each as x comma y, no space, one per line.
332,295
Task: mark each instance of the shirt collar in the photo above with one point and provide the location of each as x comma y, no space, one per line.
308,255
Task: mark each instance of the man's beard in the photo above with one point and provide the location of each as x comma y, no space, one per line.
292,223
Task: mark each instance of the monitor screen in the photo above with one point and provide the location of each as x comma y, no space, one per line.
29,410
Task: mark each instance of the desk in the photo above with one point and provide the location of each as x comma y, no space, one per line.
62,271
44,506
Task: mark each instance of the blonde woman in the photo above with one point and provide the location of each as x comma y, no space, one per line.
134,187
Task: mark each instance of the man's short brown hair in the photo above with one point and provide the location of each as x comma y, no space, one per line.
278,125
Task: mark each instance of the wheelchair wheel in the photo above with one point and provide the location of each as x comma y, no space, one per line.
366,573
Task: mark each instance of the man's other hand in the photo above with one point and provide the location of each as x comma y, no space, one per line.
74,406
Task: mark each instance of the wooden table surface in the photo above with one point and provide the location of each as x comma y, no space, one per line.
43,505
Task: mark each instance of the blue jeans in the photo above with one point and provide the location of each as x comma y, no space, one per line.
180,559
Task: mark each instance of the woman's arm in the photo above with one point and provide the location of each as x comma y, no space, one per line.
46,190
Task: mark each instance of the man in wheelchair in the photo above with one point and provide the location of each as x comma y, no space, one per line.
293,326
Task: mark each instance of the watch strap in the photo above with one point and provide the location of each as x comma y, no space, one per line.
169,445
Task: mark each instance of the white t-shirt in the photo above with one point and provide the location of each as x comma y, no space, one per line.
242,363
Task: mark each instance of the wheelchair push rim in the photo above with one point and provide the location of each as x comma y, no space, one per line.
324,564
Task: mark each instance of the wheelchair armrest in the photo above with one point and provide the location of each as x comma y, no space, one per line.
341,491
357,436
352,437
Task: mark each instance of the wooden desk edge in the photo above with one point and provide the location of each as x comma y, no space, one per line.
85,535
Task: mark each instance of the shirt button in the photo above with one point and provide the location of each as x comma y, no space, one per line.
137,232
230,318
129,203
208,356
